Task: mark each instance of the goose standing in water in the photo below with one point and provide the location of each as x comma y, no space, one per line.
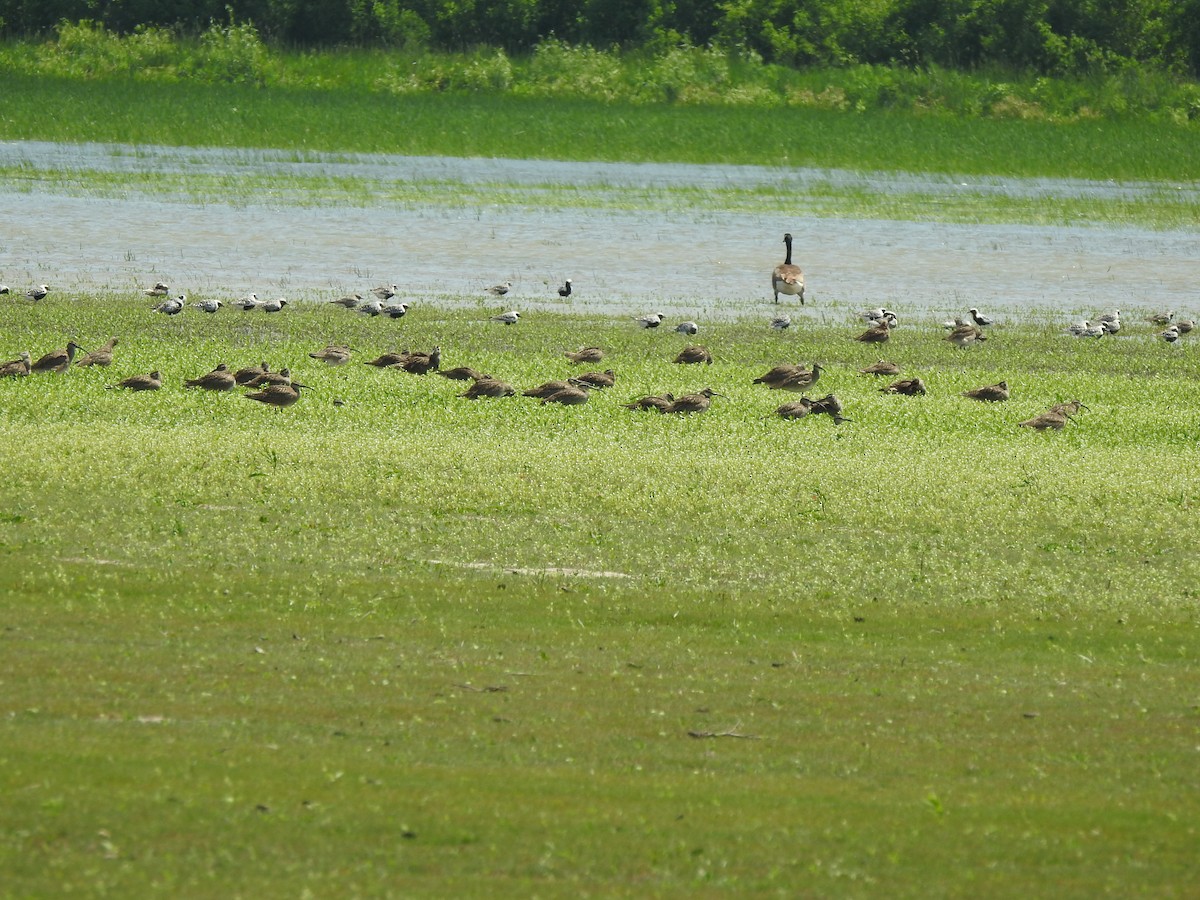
788,278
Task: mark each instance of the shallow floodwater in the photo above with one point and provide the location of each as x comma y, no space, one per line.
712,262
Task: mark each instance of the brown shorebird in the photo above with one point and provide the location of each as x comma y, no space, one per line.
350,301
1046,420
101,356
248,374
1184,326
420,363
574,394
909,387
219,379
881,368
388,359
488,387
1068,409
333,355
585,355
694,355
604,379
283,376
500,290
385,292
799,381
151,382
797,409
693,403
462,373
876,334
778,374
16,368
278,395
1158,318
831,406
652,401
992,393
544,390
963,336
160,289
56,360
788,278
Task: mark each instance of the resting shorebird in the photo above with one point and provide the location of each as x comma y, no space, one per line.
796,409
387,359
963,336
979,318
248,374
1046,420
385,292
992,393
101,356
371,308
3,288
250,302
1184,326
395,310
565,290
787,278
509,318
878,333
545,389
420,363
692,403
773,377
160,289
650,320
283,376
488,387
909,387
151,382
462,373
574,394
500,290
694,356
172,307
333,355
1068,409
17,368
219,379
208,306
878,314
278,395
881,368
799,381
56,360
38,293
781,322
652,401
599,380
1158,318
349,301
688,327
585,355
1170,335
274,306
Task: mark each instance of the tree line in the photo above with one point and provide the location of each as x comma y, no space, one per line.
1053,37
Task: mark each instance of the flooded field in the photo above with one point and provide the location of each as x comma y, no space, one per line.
677,260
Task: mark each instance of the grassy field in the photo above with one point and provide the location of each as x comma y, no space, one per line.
416,645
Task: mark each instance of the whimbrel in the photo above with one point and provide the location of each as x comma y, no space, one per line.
38,293
963,336
830,405
462,373
693,356
992,393
488,387
796,409
779,373
909,387
16,368
565,290
693,403
248,374
650,320
509,318
283,376
545,389
881,368
1045,420
420,363
219,379
333,355
101,356
574,394
652,401
788,278
500,290
1068,409
151,382
781,322
585,355
688,327
278,395
876,334
208,306
387,359
172,307
56,360
604,379
799,381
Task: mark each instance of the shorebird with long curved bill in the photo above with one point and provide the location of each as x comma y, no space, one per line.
278,395
779,374
992,393
219,379
385,360
787,277
693,403
795,409
800,381
545,389
16,368
333,355
149,382
584,355
488,387
1047,420
420,363
878,333
598,380
249,373
575,394
101,356
463,373
283,376
652,401
56,360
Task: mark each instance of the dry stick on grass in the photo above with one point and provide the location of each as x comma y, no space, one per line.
732,732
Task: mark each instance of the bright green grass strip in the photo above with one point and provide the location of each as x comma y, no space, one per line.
456,125
419,645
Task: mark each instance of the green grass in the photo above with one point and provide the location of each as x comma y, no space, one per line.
423,646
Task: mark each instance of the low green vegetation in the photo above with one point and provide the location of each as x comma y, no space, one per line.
421,645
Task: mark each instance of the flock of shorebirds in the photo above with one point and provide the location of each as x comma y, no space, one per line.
279,389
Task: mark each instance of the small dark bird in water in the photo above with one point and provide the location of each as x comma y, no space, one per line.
278,395
462,373
56,360
652,401
488,387
333,355
101,356
604,379
248,374
151,382
693,403
585,355
992,393
16,368
881,368
694,356
909,387
788,278
565,290
219,379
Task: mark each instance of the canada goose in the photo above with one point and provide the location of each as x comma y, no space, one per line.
692,403
278,395
333,355
909,387
652,401
781,322
964,336
881,368
219,379
575,394
283,376
250,302
585,355
992,393
101,356
56,360
544,390
248,374
650,320
462,373
509,318
208,306
151,382
599,380
688,327
385,292
799,382
172,307
274,306
488,387
16,368
565,290
979,318
349,301
160,289
420,363
878,333
787,278
1045,420
500,290
38,293
396,310
693,356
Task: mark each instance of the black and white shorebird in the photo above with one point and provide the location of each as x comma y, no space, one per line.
879,314
172,307
688,327
500,290
4,289
385,291
208,306
788,278
395,310
250,302
371,307
650,320
38,293
565,290
979,318
512,317
1170,334
274,306
781,322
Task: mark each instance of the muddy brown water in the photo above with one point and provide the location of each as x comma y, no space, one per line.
708,263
